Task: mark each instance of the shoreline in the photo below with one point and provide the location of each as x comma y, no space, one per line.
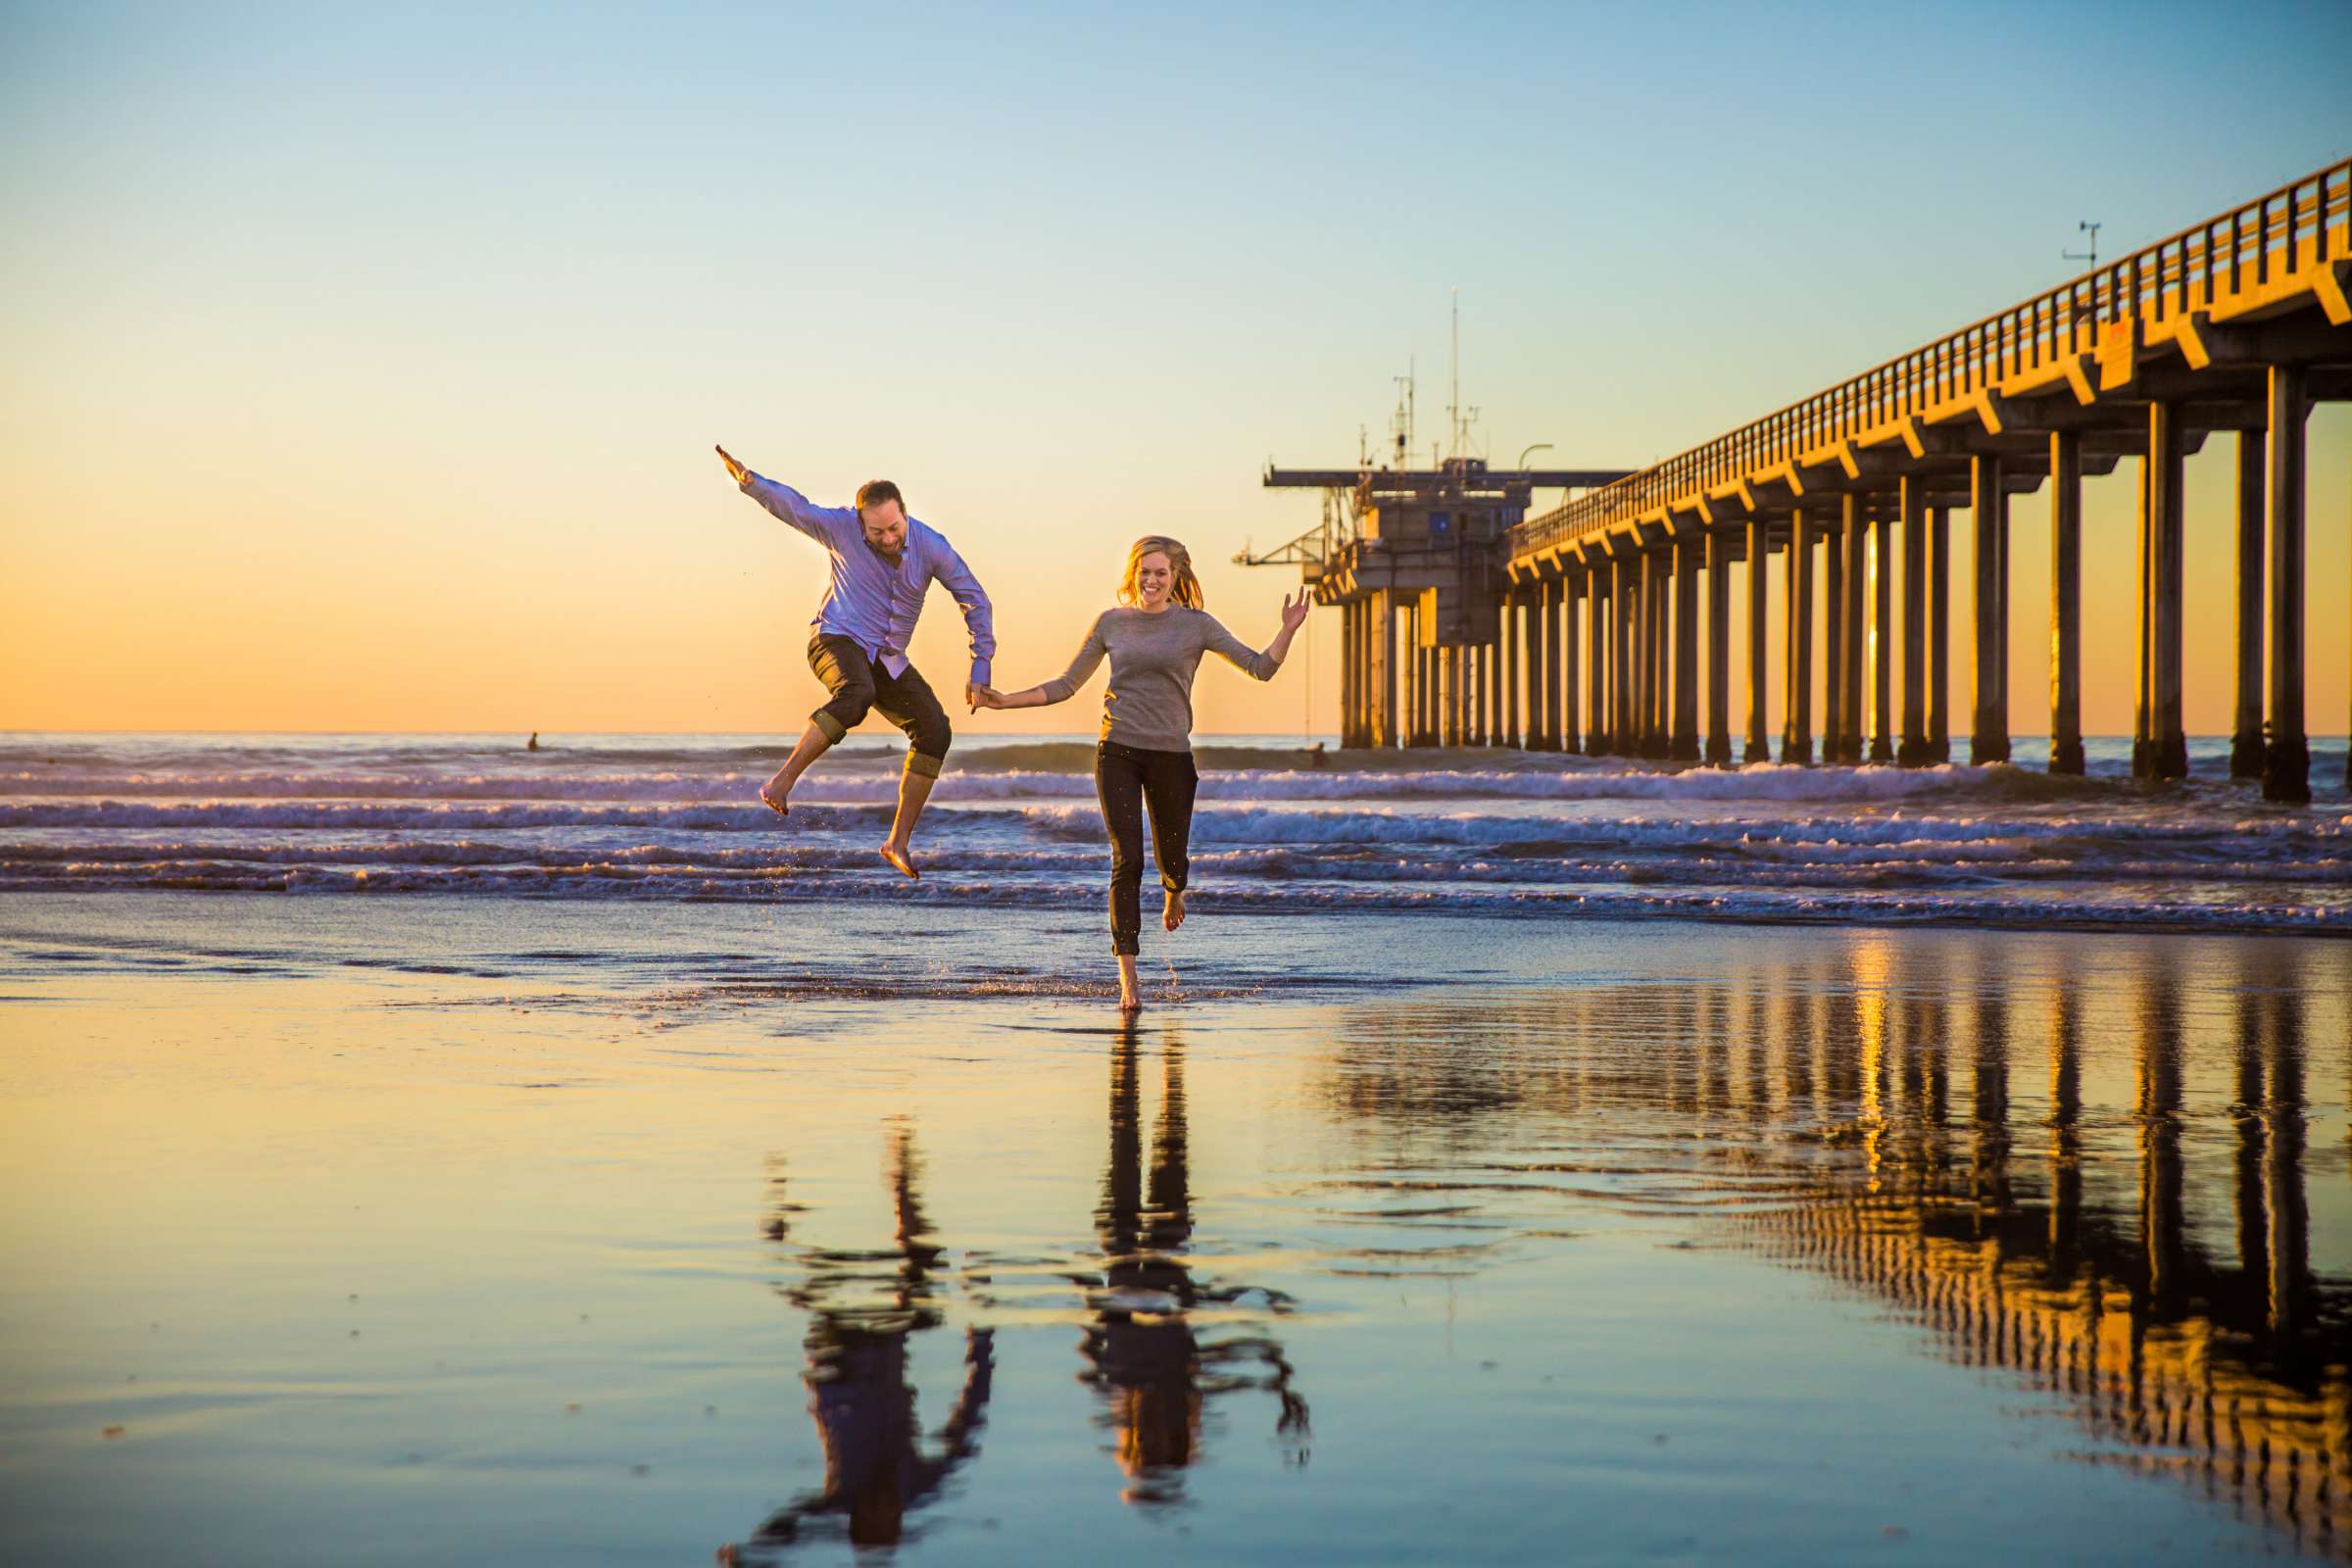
1202,902
958,950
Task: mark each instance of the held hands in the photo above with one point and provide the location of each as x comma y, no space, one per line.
984,696
735,470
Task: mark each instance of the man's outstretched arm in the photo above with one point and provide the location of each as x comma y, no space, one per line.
820,523
979,617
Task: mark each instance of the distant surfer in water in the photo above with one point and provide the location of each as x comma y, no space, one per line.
1153,638
884,561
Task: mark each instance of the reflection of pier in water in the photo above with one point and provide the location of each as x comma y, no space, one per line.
2100,1189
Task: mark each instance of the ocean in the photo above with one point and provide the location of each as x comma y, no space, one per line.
1278,830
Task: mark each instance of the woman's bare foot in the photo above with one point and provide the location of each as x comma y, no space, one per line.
775,800
1172,915
897,855
1131,996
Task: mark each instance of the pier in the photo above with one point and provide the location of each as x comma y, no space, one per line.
1467,622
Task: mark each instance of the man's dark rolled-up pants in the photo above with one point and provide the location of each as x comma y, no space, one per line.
859,684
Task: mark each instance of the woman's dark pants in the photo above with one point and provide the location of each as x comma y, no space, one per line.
1126,778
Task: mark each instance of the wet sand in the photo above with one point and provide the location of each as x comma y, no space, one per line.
412,1229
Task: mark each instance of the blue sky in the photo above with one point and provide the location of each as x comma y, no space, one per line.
448,303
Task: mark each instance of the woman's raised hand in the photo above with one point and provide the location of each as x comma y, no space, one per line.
1293,614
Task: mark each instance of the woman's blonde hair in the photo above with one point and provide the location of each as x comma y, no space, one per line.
1184,590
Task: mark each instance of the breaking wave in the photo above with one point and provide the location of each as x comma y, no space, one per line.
1277,829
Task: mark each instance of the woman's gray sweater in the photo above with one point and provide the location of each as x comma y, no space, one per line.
1154,655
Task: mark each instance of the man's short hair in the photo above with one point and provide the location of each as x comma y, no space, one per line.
874,492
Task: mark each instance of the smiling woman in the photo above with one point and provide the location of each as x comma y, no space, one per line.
1153,639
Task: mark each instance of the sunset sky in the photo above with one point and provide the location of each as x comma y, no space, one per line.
360,368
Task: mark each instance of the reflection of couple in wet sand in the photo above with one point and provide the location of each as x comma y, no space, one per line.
1141,1352
876,1466
883,564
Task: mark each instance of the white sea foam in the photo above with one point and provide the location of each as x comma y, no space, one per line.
1595,782
1868,834
1987,831
1517,835
2123,906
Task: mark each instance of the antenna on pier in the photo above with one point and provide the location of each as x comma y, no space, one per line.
1458,419
2090,258
1400,424
1453,395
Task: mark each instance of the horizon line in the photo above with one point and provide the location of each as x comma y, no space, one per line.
1226,734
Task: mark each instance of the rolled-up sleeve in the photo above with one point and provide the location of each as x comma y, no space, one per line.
1238,654
979,617
1082,668
820,523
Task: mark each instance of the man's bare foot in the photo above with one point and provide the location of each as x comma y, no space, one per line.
896,854
1172,916
781,805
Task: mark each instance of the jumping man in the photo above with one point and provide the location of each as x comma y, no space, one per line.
883,564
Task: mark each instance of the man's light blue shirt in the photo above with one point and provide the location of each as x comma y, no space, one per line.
870,602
